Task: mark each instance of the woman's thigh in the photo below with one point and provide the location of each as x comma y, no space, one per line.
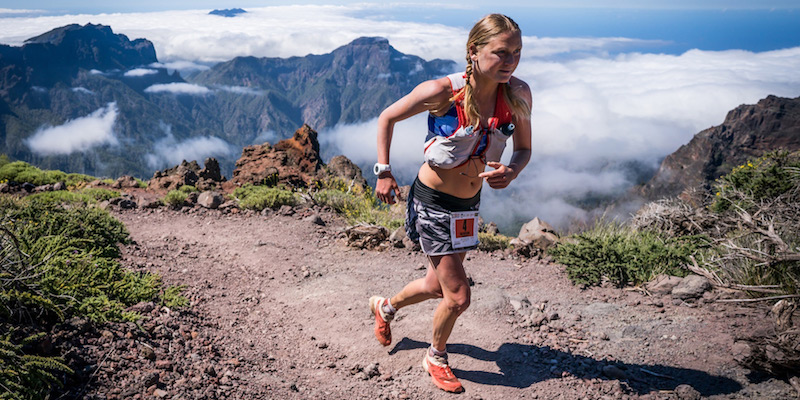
449,272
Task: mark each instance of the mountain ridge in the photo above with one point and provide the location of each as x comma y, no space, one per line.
71,72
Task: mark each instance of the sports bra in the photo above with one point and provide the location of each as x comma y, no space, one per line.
450,144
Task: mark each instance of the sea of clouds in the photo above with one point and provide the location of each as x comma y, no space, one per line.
595,105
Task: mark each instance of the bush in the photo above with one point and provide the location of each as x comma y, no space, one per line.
57,263
175,198
764,178
357,204
624,256
261,197
21,172
489,242
188,189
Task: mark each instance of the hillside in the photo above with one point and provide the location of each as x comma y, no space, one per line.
749,131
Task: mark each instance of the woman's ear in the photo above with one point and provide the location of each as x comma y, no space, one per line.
473,52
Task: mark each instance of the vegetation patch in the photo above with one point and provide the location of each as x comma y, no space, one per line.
175,198
623,255
356,203
21,172
490,242
58,263
260,197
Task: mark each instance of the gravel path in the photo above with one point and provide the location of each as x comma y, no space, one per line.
279,310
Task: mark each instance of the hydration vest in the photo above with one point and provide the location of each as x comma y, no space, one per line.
450,143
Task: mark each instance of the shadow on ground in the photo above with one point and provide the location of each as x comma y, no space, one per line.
522,365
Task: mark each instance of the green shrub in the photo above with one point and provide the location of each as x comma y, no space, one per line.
624,256
25,376
261,197
357,204
173,298
175,198
188,189
57,263
761,179
489,242
21,172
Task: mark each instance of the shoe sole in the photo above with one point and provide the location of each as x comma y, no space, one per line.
425,367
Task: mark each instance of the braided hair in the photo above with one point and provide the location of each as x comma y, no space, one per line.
483,31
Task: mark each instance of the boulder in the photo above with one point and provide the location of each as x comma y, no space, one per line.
663,284
342,167
691,287
295,161
210,200
59,186
534,237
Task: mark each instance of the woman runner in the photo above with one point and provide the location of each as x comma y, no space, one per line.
471,115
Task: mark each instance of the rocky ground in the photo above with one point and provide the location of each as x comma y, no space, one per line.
279,310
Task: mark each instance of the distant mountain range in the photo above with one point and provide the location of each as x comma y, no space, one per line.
77,71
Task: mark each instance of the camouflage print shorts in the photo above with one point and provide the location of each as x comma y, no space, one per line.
428,218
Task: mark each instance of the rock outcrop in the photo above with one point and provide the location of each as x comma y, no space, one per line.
187,173
295,162
748,131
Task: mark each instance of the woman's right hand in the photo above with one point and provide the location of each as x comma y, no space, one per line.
385,186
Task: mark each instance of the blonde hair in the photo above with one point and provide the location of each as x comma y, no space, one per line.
483,31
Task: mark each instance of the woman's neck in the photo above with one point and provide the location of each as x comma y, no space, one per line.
483,88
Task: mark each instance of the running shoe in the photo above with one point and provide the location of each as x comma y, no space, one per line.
441,374
382,319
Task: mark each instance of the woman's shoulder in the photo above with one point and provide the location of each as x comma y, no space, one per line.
435,88
520,88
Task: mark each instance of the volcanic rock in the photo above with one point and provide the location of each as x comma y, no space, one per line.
342,167
294,161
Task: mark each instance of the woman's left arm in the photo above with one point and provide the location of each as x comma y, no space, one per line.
502,175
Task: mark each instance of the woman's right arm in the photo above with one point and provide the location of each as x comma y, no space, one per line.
428,95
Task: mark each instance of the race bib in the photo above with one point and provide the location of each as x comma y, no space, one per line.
464,229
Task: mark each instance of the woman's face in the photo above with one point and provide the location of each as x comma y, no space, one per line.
498,59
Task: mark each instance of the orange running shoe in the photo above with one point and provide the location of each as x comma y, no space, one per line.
441,374
382,319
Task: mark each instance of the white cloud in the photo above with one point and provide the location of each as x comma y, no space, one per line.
79,134
195,36
178,88
169,151
240,90
183,66
81,89
140,72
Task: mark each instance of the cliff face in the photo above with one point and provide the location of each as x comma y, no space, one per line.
748,131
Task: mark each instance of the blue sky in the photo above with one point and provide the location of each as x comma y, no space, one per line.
613,84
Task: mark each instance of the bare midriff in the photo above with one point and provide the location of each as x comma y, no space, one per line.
462,181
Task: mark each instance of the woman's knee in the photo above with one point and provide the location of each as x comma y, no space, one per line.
459,301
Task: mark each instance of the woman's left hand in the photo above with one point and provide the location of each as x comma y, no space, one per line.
500,177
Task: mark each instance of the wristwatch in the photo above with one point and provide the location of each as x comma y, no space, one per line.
379,168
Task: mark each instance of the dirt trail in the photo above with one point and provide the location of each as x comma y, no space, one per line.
288,300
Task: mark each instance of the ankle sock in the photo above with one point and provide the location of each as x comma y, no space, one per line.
435,352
